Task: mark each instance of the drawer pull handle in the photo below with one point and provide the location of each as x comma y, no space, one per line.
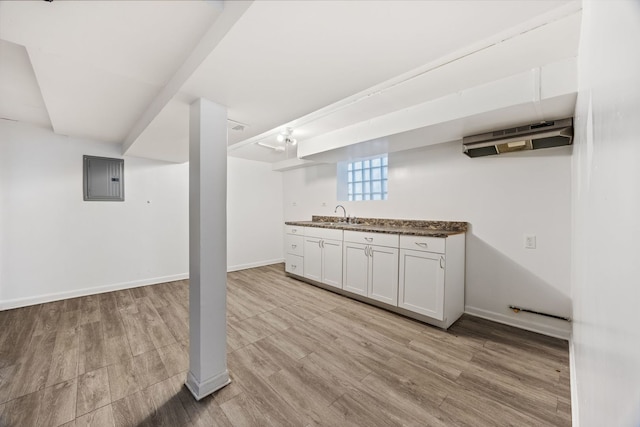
293,266
293,246
424,245
369,239
294,230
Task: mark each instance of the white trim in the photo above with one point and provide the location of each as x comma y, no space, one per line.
39,299
540,328
203,389
575,414
23,302
254,264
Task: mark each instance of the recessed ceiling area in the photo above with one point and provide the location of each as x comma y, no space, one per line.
98,64
319,67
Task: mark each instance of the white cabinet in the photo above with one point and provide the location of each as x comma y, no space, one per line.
323,256
356,268
417,276
294,250
383,281
431,277
422,282
371,270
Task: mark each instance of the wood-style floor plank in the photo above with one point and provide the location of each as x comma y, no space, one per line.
123,379
34,365
93,391
102,417
58,404
23,411
297,355
93,352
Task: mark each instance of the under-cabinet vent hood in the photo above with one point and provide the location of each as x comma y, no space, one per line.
529,137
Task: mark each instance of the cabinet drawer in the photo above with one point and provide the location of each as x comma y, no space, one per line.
423,243
294,229
294,264
380,239
293,244
323,233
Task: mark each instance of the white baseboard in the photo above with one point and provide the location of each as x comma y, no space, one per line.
575,414
200,390
39,299
254,264
521,323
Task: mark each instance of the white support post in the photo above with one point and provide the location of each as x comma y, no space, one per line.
207,248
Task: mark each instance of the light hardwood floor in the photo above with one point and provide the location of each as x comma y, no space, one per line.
298,356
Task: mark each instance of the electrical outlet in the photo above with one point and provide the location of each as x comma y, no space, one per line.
530,241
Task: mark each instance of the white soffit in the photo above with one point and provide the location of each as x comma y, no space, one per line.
99,63
20,97
165,137
515,100
88,102
286,59
541,45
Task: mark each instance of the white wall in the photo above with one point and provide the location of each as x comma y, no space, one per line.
254,214
54,245
606,197
502,197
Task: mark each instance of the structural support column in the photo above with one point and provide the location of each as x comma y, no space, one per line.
207,248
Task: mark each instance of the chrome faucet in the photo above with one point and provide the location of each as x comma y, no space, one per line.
344,212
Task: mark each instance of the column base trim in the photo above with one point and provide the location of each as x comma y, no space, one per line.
200,390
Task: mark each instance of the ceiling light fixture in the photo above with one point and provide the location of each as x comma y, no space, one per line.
285,136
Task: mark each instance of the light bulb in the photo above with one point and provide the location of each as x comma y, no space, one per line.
280,138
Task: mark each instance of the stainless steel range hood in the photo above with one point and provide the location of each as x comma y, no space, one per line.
529,137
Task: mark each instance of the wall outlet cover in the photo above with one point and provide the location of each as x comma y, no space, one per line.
529,241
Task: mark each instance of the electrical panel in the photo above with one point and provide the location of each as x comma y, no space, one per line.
103,179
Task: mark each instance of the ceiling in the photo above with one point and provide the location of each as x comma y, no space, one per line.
126,72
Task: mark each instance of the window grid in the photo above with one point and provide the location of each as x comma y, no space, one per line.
367,179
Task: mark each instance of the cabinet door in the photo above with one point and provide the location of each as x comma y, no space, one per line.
356,266
332,262
383,277
312,259
422,283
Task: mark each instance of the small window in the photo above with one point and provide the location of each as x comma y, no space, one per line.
364,179
103,179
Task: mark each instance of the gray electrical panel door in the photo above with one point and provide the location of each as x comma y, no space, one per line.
103,179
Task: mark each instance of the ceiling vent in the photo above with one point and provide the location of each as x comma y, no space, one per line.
235,126
530,137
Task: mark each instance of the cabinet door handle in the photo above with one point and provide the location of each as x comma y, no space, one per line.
424,245
293,266
441,262
369,239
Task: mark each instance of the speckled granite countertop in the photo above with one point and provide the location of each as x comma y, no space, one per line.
388,226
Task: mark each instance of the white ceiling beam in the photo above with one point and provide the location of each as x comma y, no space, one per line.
521,91
386,88
233,11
